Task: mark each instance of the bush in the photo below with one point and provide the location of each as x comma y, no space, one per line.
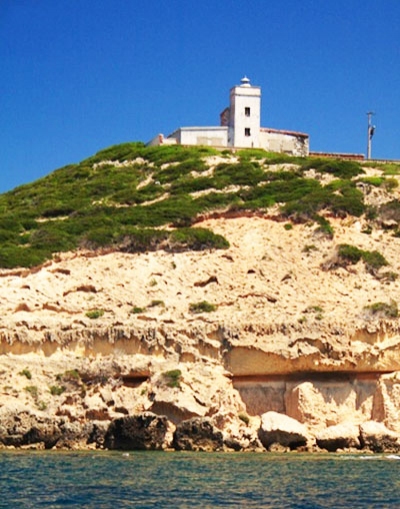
156,302
135,310
202,307
33,391
56,390
173,378
339,168
27,373
95,313
383,309
350,255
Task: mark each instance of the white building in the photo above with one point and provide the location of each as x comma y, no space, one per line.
240,127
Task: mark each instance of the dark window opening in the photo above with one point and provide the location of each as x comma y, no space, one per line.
247,131
247,111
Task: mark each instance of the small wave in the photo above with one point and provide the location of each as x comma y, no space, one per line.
393,457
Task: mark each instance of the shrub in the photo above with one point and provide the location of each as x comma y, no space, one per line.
197,239
56,390
340,168
135,310
383,309
351,254
41,405
374,260
71,375
33,390
95,313
202,307
27,373
324,226
156,302
173,378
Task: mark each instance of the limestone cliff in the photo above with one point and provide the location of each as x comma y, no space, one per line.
92,337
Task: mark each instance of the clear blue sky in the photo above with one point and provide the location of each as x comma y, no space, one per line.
78,76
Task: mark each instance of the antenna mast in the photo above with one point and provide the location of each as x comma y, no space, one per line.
371,131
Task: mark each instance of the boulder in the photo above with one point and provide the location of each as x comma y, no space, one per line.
24,428
376,437
197,434
341,436
280,429
145,431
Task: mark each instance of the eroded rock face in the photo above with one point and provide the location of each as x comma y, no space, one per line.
26,429
287,336
377,438
283,430
341,436
197,434
146,431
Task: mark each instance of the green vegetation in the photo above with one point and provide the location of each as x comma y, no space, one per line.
156,302
202,307
349,255
244,418
32,390
71,375
173,378
57,390
383,309
95,313
135,310
27,373
134,198
339,168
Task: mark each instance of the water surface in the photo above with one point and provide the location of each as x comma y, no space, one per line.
184,480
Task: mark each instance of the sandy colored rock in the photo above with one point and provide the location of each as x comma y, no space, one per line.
287,335
376,437
341,436
283,430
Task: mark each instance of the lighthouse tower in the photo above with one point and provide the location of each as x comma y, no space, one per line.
244,115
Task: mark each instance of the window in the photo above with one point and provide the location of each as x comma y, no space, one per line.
247,131
247,111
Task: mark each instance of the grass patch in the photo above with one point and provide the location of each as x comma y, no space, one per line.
25,372
173,378
383,309
156,303
57,390
33,391
136,310
94,313
350,255
202,307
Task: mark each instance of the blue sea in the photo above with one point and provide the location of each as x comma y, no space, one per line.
205,480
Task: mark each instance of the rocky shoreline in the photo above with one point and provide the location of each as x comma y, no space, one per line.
151,432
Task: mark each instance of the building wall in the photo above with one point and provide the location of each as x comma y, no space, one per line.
209,136
296,144
161,140
244,116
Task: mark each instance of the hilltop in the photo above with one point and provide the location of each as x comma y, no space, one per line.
195,283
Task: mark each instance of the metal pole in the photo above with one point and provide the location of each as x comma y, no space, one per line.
370,134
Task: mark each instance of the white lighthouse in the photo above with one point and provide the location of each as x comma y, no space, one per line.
240,127
244,115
